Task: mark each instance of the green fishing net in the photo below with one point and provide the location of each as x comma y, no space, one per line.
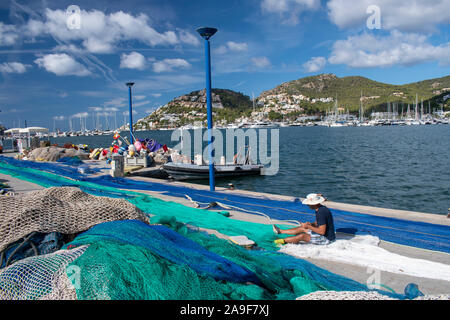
118,271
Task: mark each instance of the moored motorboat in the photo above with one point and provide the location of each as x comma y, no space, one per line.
188,171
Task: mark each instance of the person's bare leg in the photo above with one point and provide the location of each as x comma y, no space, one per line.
301,237
293,231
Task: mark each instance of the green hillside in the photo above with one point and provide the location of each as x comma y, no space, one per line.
228,106
376,94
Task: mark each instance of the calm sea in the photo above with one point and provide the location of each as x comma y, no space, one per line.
398,167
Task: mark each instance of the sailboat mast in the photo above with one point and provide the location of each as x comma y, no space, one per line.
417,107
360,109
421,110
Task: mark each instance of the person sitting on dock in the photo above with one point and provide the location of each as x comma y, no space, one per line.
320,232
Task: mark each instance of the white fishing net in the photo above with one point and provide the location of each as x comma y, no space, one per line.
345,295
363,250
361,295
42,277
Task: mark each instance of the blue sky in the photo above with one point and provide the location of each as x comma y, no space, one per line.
54,67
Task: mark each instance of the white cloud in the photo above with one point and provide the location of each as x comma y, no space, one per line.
231,46
95,109
98,33
156,95
94,45
13,67
70,48
80,115
236,46
188,38
8,35
286,5
118,102
167,82
168,65
140,104
139,97
62,64
398,48
315,64
59,118
260,62
289,10
111,109
134,60
403,15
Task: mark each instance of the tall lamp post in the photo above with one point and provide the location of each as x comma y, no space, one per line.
207,33
129,85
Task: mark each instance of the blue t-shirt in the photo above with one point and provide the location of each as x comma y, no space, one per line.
323,216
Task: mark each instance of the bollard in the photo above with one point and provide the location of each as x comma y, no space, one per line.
117,166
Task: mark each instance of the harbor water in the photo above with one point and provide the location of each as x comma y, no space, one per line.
396,167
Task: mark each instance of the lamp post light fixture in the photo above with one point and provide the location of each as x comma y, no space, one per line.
207,33
129,85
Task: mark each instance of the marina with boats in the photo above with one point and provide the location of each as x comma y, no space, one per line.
408,116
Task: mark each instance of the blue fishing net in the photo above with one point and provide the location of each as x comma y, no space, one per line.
71,161
169,245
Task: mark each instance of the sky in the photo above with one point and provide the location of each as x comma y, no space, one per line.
65,60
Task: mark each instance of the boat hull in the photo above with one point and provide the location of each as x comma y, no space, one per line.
195,172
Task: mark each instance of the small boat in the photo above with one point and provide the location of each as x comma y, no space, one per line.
188,171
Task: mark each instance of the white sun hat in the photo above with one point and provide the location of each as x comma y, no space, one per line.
313,199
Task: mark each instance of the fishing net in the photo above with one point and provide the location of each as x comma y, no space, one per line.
285,276
345,295
155,262
169,245
71,161
41,277
65,210
56,177
55,154
165,211
260,233
121,264
112,270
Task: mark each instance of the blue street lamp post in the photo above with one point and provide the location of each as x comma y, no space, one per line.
207,33
129,85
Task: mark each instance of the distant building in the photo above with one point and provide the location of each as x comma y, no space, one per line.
308,118
383,115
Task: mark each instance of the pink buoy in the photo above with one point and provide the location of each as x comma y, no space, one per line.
138,146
